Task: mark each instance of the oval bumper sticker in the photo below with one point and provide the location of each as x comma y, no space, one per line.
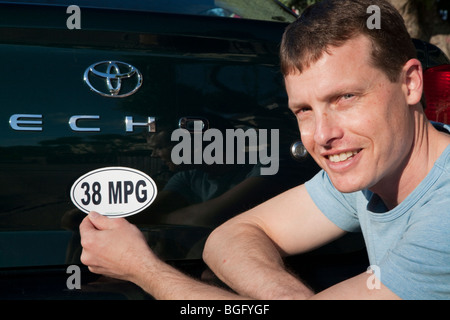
113,191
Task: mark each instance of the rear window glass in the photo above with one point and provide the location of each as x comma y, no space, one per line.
269,10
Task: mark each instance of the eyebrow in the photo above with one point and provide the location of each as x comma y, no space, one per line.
358,88
297,106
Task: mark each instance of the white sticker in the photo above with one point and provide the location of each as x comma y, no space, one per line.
113,191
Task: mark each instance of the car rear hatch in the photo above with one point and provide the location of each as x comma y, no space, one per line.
55,127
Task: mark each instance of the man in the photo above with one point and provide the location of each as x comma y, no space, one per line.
356,93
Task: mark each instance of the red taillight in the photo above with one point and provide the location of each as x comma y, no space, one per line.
437,93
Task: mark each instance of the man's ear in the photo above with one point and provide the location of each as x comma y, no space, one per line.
413,81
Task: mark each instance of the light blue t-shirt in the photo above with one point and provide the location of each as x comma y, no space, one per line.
409,244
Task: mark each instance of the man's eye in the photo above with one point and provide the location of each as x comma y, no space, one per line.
304,109
347,96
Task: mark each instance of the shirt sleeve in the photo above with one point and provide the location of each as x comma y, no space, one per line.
340,208
418,267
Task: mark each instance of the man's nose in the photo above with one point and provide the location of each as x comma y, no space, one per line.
327,129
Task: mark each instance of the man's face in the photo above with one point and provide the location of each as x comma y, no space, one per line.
354,122
161,148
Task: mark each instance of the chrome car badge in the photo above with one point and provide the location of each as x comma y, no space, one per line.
113,79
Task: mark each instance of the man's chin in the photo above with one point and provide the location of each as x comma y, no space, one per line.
347,185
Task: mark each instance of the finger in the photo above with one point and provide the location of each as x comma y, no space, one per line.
89,261
101,222
88,234
85,258
86,226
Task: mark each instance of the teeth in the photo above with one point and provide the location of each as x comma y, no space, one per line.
342,156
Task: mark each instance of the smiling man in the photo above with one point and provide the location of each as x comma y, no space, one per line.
359,126
356,93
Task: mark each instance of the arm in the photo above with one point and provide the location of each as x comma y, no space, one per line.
359,287
116,248
246,252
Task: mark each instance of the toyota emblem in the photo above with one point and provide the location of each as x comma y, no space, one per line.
113,79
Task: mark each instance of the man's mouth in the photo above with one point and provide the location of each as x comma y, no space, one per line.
342,156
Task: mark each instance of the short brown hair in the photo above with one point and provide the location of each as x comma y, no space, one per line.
333,22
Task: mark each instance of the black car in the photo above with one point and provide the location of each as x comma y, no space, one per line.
187,94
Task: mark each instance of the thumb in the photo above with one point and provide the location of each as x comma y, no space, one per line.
99,221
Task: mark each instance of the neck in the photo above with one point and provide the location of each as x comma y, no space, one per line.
428,144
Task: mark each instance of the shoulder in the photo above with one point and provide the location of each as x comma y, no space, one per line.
340,208
434,216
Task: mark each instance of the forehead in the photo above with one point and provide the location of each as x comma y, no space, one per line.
338,68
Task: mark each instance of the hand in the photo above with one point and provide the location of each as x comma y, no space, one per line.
113,246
